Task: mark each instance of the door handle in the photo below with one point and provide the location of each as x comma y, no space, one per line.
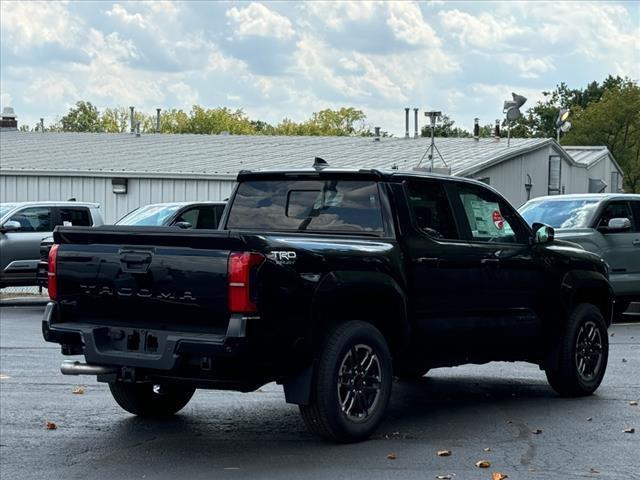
490,262
433,262
636,242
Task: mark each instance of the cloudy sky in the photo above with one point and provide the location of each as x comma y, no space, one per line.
278,60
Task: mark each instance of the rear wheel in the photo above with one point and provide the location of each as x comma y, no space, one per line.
583,352
352,385
149,400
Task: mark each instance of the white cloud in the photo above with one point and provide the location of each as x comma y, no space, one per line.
483,31
336,14
407,23
121,13
258,20
602,32
529,67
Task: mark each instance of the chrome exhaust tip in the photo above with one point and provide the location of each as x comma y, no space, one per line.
76,368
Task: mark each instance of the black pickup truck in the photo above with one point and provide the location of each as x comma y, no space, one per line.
328,282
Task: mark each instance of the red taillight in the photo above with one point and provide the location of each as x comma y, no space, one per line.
240,268
52,283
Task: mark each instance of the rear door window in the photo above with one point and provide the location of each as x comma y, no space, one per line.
76,217
431,210
34,219
307,205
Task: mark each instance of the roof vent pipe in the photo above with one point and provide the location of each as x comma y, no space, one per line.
42,125
377,134
131,119
415,115
158,120
496,130
476,128
406,122
137,129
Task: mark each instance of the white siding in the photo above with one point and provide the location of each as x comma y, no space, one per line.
509,177
140,191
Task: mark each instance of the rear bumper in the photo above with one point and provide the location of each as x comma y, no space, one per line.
142,348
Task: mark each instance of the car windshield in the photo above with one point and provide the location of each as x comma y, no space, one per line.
151,215
5,208
574,213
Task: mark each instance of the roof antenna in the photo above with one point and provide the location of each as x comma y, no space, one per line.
319,163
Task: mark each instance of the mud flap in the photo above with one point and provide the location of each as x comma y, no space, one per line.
297,388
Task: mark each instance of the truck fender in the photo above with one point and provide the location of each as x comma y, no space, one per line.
587,286
375,292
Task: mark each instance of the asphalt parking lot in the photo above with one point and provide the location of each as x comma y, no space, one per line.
506,408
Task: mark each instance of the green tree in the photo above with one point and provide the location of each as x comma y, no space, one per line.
84,117
445,128
613,121
540,120
114,120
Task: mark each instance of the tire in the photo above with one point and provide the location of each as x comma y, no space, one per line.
363,385
148,400
580,368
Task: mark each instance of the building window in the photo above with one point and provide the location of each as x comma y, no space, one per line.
555,174
615,182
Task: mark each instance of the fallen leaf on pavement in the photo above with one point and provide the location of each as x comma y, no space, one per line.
537,431
624,360
487,449
51,426
391,456
589,419
633,403
509,421
444,477
444,453
498,476
593,470
78,391
483,464
629,430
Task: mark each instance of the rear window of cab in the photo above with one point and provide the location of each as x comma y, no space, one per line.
330,205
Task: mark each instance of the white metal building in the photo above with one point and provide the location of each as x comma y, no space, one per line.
124,171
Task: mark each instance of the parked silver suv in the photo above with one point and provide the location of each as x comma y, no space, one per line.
24,225
607,224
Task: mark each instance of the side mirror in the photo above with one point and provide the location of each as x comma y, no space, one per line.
543,233
618,225
10,226
183,225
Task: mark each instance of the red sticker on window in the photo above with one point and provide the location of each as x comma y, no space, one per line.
498,221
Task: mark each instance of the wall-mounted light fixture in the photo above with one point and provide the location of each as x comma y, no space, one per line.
119,185
527,186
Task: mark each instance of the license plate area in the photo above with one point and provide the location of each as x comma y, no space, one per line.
134,340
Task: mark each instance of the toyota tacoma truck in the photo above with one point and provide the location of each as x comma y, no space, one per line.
329,282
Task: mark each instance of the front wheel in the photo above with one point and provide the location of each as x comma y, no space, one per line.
149,400
583,352
352,385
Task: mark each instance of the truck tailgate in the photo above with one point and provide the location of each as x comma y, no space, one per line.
162,278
